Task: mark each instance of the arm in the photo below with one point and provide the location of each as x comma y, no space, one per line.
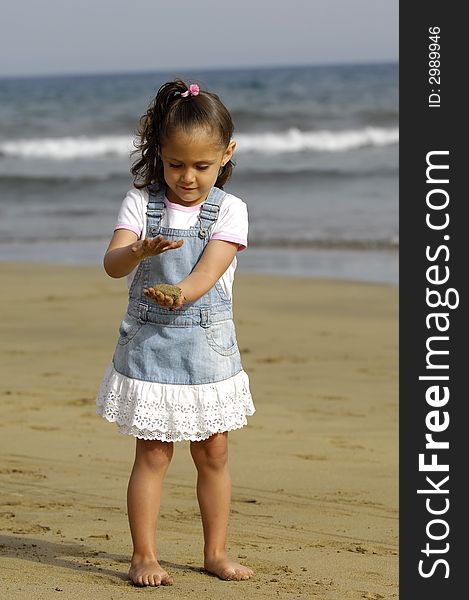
216,258
125,251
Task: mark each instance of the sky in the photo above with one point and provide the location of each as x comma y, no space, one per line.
51,37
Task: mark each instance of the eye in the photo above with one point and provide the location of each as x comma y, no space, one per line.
202,168
174,166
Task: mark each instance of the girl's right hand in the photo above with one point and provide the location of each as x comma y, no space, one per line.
153,246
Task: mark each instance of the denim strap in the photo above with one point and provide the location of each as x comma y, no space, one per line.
155,210
210,208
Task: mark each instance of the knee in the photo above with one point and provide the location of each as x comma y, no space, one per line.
210,454
154,454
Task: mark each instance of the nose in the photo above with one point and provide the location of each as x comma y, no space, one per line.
187,176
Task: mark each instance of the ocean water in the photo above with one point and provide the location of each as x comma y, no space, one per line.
316,163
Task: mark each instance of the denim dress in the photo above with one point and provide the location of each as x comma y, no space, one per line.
176,374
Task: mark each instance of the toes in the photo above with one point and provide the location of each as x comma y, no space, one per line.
166,580
231,572
152,580
244,574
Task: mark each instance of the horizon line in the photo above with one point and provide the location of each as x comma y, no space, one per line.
105,73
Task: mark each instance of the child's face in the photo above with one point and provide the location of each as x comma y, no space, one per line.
191,165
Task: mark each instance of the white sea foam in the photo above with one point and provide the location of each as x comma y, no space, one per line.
292,140
68,148
295,140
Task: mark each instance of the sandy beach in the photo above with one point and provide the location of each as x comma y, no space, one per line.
315,472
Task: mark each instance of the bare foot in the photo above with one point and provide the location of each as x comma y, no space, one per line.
148,571
227,569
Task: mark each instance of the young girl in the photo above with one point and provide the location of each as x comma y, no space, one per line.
176,373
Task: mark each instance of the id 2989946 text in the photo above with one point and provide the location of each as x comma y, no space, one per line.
434,70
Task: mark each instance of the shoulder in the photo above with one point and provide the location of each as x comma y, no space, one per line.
134,203
132,211
136,197
232,223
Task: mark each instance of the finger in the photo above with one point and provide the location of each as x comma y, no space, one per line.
162,246
180,301
154,243
168,301
160,239
171,244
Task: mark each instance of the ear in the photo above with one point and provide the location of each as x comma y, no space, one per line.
228,152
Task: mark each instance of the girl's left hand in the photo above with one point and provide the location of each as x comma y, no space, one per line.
163,299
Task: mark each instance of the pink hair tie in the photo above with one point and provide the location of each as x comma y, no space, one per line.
193,90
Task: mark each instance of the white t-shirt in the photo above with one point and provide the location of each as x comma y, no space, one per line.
230,226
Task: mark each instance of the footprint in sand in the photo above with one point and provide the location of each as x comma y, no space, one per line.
342,443
278,359
31,529
312,456
81,402
24,472
358,548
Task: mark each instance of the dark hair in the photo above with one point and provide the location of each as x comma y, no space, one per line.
169,112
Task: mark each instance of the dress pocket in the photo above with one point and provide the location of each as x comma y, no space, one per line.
221,337
128,329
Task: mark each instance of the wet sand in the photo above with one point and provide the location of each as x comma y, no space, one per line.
315,494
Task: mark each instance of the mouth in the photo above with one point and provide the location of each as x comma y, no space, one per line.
187,189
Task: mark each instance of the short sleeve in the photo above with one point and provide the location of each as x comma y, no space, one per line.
132,212
232,222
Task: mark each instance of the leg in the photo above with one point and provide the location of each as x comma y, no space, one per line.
214,494
152,460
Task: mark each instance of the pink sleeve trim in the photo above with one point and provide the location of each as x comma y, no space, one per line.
226,237
129,227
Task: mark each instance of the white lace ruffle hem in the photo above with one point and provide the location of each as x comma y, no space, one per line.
173,413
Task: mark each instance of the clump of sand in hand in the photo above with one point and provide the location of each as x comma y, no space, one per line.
173,291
